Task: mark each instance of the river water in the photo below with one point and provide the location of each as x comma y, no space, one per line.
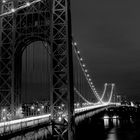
110,129
123,124
103,128
124,130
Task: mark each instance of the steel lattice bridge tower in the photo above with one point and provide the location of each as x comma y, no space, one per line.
48,21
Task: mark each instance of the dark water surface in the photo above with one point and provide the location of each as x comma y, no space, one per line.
110,129
102,128
126,130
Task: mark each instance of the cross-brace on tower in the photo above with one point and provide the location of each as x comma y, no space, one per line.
48,21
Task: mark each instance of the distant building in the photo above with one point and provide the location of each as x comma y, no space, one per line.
119,99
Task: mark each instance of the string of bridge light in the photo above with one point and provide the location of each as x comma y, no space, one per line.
85,71
13,10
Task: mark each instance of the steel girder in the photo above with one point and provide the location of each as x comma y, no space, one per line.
48,21
62,67
7,37
17,31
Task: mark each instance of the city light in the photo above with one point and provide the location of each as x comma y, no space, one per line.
27,4
60,119
13,10
32,107
62,105
84,65
3,110
3,1
86,70
78,52
42,106
75,44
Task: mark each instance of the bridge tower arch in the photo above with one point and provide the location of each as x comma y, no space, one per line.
45,20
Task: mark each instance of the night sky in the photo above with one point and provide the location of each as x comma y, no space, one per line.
108,34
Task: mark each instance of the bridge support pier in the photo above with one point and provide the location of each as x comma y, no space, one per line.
62,95
45,20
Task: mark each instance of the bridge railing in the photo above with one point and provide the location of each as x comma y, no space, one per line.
19,124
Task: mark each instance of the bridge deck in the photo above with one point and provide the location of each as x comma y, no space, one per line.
15,125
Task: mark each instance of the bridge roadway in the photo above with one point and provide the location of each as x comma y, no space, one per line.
9,127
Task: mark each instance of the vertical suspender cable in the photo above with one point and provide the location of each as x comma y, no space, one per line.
33,61
75,77
46,78
47,69
30,59
82,92
80,80
26,79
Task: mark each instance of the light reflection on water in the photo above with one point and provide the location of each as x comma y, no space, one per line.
40,134
111,120
111,125
121,128
106,122
115,121
112,135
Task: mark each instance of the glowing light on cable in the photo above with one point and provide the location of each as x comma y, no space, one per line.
18,8
84,65
85,73
75,44
78,52
86,70
89,80
12,10
27,4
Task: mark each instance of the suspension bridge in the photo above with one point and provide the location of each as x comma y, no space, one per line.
40,60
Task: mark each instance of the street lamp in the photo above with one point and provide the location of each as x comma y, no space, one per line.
32,109
38,110
42,109
3,115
